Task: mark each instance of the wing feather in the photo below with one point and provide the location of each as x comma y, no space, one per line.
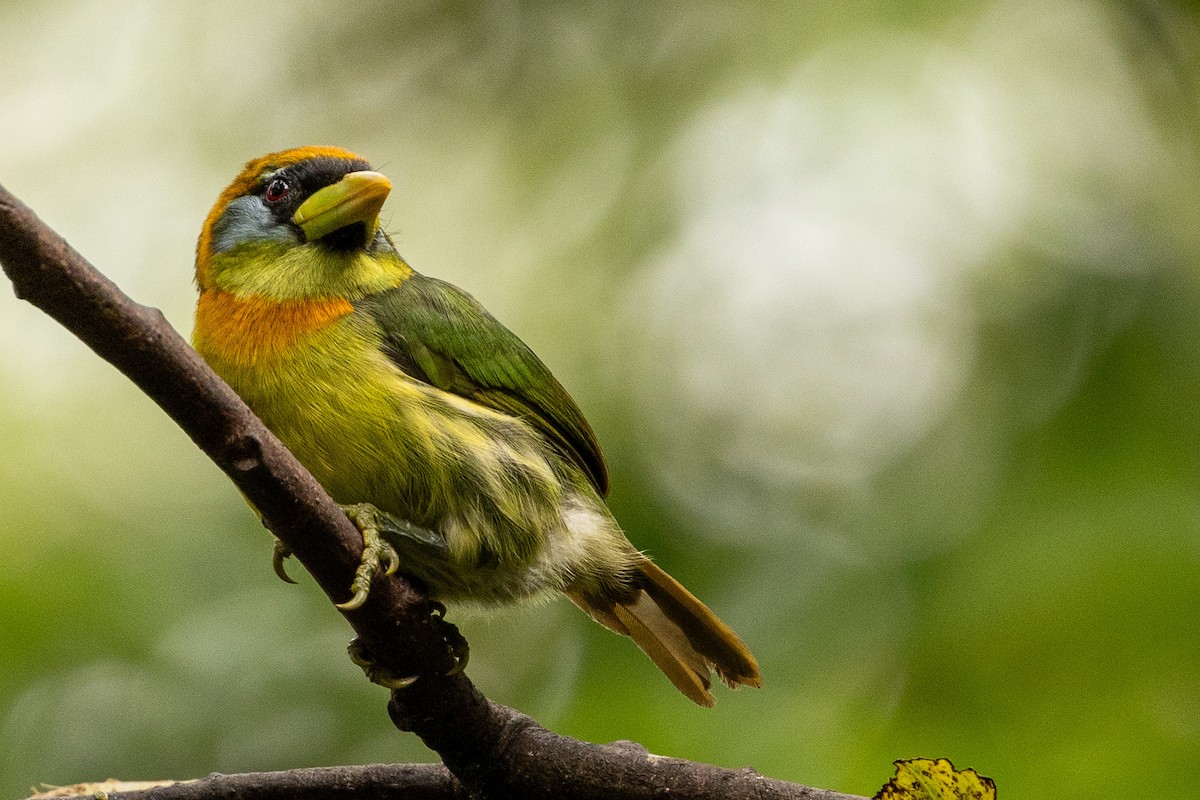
439,334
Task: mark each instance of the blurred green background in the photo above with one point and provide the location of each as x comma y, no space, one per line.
886,312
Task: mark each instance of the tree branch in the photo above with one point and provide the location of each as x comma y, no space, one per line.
369,782
494,751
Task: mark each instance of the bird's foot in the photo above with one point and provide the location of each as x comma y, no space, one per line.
374,525
457,645
376,552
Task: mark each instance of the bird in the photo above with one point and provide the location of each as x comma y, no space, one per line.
448,442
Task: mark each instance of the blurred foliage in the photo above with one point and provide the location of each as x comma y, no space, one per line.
885,312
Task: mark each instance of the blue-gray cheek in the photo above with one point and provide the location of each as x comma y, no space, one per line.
246,219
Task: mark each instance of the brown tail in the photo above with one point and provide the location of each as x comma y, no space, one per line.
679,633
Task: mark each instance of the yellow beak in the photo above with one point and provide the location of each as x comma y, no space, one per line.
357,197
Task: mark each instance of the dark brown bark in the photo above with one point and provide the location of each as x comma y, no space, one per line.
369,782
492,751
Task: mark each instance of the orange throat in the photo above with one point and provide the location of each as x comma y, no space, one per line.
246,331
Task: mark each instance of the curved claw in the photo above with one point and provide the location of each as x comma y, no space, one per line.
281,554
390,559
461,657
396,683
362,657
355,602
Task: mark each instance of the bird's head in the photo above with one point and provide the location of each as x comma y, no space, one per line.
299,223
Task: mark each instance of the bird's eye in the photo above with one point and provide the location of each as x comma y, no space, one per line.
277,190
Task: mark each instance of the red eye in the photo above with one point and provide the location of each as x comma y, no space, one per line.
277,190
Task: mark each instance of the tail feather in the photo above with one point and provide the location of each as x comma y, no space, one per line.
684,639
685,670
704,630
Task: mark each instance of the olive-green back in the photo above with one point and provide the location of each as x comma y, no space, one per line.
439,334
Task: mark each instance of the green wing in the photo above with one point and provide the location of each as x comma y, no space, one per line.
439,334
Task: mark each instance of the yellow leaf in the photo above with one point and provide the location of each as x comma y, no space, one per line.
927,779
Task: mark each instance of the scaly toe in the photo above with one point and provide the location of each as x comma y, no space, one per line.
377,553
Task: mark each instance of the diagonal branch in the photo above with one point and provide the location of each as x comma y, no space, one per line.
492,750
